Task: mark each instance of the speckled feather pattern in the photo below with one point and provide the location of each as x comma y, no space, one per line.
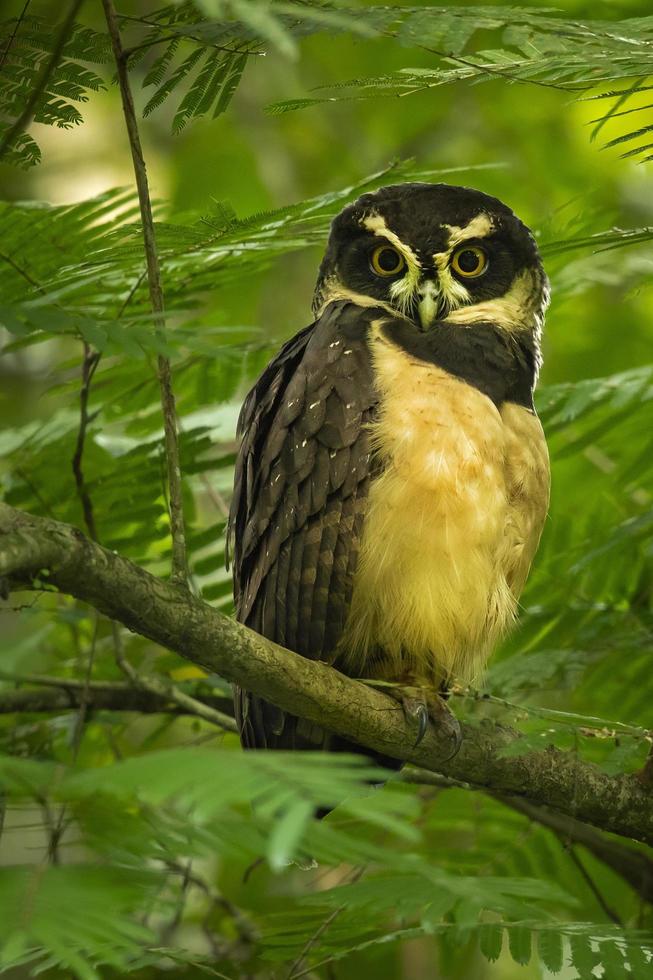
302,479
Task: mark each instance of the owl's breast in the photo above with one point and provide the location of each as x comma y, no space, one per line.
452,524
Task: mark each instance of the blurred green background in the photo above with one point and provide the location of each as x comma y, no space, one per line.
527,144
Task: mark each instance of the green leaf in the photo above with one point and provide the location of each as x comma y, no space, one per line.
25,777
532,46
259,17
583,957
612,961
519,942
36,904
550,949
23,41
173,81
491,941
287,833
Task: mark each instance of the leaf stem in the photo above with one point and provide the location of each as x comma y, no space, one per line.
179,574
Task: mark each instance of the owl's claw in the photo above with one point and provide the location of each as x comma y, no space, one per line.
422,722
422,706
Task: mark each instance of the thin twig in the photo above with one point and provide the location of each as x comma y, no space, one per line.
130,295
12,37
296,969
84,702
21,272
89,364
168,929
45,680
58,828
499,72
179,561
64,696
593,887
41,82
180,37
244,928
24,476
592,726
215,496
634,866
165,689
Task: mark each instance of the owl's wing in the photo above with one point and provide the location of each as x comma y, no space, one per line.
301,484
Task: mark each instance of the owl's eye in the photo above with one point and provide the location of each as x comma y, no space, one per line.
470,261
387,261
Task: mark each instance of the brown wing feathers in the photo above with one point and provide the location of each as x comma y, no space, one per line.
301,482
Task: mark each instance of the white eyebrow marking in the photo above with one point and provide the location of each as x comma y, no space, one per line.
402,290
479,227
376,224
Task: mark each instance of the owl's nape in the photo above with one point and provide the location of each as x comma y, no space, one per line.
392,478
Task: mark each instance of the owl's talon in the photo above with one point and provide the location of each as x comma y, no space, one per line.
415,710
423,724
423,706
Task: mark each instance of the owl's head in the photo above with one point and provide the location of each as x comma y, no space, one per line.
433,251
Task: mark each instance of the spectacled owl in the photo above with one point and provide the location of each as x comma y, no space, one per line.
392,479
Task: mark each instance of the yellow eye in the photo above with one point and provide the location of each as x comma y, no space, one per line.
387,261
470,261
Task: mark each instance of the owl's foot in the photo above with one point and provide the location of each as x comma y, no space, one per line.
422,705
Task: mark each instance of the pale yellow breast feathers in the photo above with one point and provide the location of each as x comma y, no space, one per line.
451,527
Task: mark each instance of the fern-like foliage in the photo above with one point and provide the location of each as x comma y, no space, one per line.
530,47
25,45
167,808
77,271
206,57
198,50
36,905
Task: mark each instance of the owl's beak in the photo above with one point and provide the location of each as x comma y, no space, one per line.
428,304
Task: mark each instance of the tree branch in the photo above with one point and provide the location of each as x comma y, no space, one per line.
175,502
107,696
62,555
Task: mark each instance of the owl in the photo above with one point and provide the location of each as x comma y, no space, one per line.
392,479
